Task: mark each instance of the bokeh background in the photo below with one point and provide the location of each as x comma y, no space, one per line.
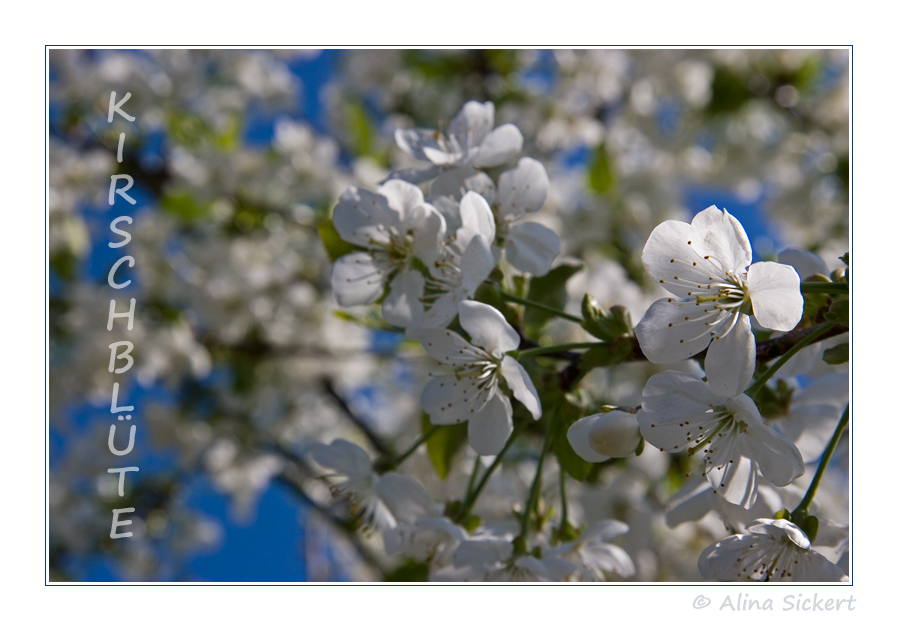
238,157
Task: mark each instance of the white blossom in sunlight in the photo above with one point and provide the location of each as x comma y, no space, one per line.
770,550
707,265
395,226
598,437
468,140
472,391
681,413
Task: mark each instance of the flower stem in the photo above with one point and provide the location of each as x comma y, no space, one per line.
824,288
538,305
802,509
537,482
805,341
471,497
395,462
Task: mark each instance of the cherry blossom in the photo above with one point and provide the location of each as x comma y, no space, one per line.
707,265
472,391
600,437
680,412
395,226
770,550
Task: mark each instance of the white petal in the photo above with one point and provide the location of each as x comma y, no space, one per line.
344,457
521,385
522,190
615,434
532,247
472,124
402,306
489,429
360,215
499,146
448,347
455,183
476,264
402,197
476,218
412,141
487,327
722,235
674,405
405,498
357,279
429,234
775,292
449,400
730,362
672,331
578,437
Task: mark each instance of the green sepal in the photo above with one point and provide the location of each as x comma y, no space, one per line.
809,525
783,514
606,326
837,354
442,446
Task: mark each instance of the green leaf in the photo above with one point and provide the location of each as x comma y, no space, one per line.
601,171
836,354
443,445
566,414
549,290
361,131
335,246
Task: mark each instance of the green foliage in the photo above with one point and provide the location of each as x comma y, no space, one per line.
549,290
601,171
837,354
564,411
838,313
183,205
362,133
335,246
409,572
442,446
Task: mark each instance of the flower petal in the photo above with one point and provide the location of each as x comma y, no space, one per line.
730,362
357,279
499,146
455,183
476,218
487,327
522,190
448,347
521,385
532,247
775,292
672,331
578,437
489,429
360,217
402,306
721,235
448,399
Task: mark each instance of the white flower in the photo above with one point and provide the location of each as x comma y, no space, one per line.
707,264
592,553
599,437
465,262
529,246
771,550
680,412
468,140
395,225
381,501
471,393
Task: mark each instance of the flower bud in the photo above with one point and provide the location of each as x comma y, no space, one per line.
599,437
